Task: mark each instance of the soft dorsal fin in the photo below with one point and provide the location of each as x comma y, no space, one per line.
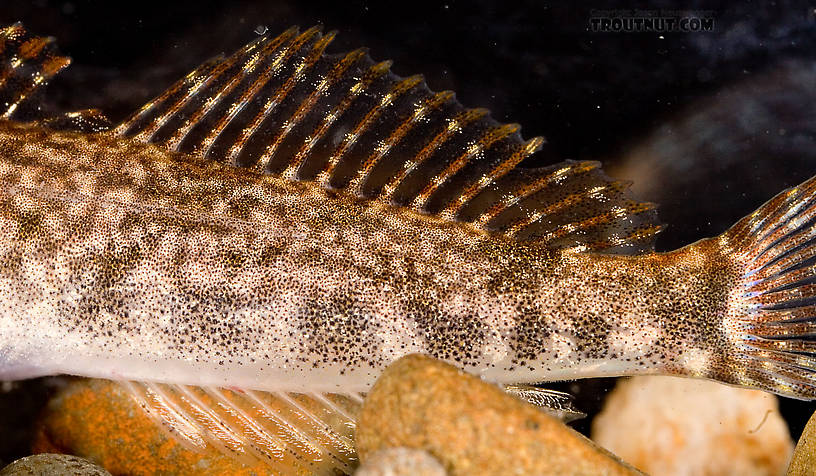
27,63
283,106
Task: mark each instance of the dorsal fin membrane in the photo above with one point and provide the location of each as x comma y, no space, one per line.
27,63
283,106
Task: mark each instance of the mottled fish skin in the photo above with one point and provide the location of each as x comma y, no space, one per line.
121,260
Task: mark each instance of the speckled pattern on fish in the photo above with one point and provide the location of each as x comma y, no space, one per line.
134,253
289,220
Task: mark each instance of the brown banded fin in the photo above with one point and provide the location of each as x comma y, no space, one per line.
27,63
283,106
771,317
290,433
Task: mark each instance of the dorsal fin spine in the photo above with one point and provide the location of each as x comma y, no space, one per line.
419,112
351,138
504,166
10,33
277,45
485,142
292,170
617,212
272,102
316,51
197,79
430,104
282,57
38,52
376,71
179,135
357,127
454,126
128,124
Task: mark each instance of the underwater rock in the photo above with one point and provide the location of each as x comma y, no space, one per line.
803,461
401,462
678,426
470,426
56,464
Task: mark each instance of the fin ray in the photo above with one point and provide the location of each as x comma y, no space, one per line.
288,433
283,106
558,404
773,311
27,63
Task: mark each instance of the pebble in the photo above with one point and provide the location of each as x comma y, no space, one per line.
401,462
803,462
678,426
53,464
471,426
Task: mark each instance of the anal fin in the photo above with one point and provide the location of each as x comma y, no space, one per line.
288,433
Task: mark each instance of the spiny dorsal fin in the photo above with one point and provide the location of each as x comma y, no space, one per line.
287,432
283,106
26,64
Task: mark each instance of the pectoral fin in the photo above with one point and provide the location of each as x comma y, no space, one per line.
557,404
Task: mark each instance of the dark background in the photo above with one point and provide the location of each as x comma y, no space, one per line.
709,125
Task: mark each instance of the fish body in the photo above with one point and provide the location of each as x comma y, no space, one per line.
129,262
289,221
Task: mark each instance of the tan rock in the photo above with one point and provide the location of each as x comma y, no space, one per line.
53,464
470,426
677,426
401,462
803,462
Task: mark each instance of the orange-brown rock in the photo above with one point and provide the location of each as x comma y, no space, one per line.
472,427
53,464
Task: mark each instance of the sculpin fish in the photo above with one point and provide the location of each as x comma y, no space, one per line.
287,220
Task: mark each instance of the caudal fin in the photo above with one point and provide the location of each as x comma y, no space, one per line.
772,313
